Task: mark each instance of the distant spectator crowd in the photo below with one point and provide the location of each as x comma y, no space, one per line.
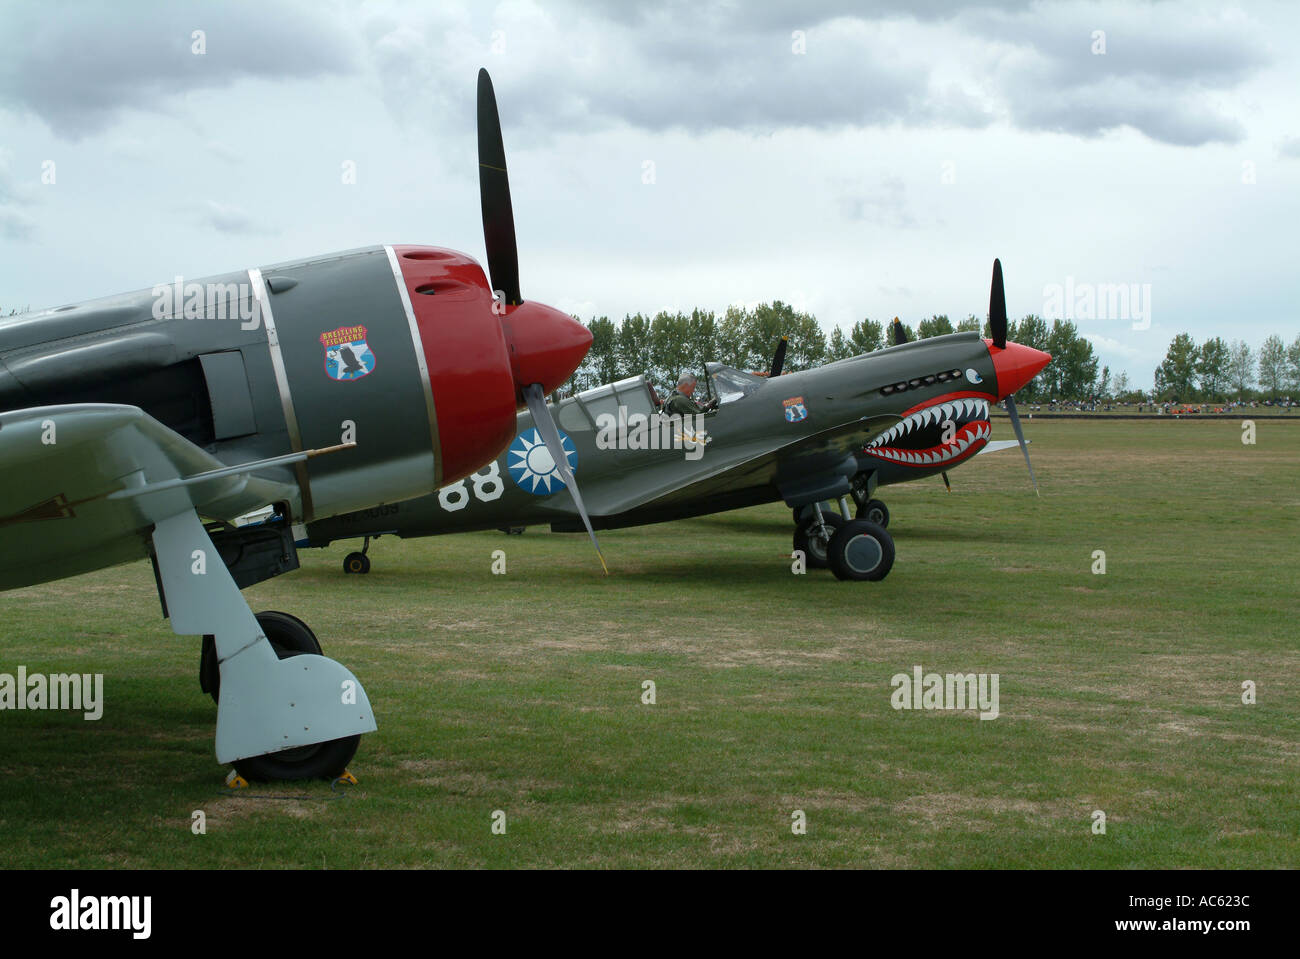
1284,404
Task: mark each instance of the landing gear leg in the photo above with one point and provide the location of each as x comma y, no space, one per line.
872,510
358,562
292,718
813,535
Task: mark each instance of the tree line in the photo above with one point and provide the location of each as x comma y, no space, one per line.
666,344
1218,371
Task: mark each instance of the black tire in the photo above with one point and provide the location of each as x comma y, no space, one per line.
874,511
288,636
862,551
209,668
319,761
815,548
355,563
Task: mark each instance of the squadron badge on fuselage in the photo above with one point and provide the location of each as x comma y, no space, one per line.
347,355
795,410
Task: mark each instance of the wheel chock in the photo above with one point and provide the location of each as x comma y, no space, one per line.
346,778
236,781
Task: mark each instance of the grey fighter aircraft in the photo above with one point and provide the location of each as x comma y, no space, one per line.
144,425
833,433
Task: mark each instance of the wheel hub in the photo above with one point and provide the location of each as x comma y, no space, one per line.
863,552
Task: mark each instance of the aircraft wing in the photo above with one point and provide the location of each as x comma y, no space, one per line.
84,484
994,445
754,464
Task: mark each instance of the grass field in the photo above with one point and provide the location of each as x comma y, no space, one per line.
1119,692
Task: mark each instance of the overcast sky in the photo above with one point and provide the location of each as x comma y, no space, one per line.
852,158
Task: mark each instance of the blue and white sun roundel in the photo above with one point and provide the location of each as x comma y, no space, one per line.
531,465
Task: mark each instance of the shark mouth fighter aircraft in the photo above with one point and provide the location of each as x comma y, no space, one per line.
831,433
940,434
130,421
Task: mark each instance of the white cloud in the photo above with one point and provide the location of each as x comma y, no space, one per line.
227,218
878,174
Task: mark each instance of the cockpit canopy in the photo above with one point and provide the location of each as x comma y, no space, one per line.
636,395
582,411
730,384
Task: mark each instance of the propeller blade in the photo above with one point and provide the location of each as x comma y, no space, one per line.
946,484
541,413
900,335
998,308
1020,435
778,360
494,195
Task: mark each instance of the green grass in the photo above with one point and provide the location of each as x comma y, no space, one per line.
1119,692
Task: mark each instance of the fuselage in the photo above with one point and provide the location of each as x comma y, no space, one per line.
401,350
908,411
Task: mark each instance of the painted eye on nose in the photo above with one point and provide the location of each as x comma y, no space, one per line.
973,376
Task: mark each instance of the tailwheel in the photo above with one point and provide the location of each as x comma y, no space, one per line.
358,562
861,550
874,511
814,536
289,636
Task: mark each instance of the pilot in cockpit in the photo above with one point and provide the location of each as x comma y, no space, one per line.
681,401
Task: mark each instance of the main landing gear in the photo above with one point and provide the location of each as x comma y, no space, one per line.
857,549
289,636
861,550
874,511
813,535
284,711
358,562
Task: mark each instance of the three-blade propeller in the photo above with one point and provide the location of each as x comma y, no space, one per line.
998,327
503,269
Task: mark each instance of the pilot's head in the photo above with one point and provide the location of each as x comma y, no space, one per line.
686,384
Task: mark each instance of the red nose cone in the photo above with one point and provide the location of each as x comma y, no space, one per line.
546,346
1016,365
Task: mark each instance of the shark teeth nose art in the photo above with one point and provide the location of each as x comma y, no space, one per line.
975,430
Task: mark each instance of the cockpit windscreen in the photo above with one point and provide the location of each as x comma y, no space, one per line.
730,384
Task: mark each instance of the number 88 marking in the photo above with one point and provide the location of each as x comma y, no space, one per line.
487,487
